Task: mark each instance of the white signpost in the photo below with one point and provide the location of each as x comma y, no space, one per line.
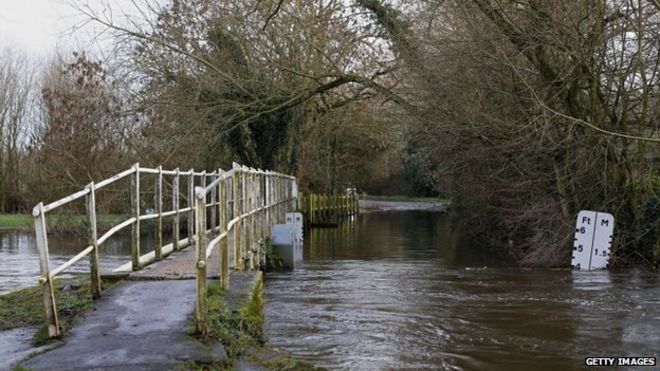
593,239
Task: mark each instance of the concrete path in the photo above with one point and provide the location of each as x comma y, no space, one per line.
135,326
16,345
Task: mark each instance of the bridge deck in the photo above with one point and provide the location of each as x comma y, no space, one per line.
181,265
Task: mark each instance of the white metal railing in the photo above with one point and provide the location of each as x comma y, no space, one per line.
226,209
258,199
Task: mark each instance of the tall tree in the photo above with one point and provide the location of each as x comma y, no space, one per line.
235,79
17,80
538,109
78,142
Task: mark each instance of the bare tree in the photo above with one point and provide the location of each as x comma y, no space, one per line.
537,110
17,79
235,79
78,140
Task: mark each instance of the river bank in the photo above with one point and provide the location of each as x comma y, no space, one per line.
58,223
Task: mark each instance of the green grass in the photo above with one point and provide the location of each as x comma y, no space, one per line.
65,223
241,334
25,307
16,221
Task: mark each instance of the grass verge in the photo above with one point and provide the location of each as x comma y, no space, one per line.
16,221
25,307
59,223
241,334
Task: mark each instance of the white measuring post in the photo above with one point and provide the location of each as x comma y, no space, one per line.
593,240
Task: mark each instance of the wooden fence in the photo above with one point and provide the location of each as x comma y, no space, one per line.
328,209
236,200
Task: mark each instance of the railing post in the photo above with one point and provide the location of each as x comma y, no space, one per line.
266,201
203,185
247,230
213,204
191,206
263,219
244,225
251,219
200,244
135,211
237,193
224,254
45,280
282,198
158,203
222,208
176,206
93,241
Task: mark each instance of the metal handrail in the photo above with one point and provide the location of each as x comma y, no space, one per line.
257,196
40,211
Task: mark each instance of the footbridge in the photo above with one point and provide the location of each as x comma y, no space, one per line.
227,214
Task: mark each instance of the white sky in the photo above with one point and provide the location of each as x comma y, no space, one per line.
34,26
38,27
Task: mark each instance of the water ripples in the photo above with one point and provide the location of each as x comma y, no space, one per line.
365,298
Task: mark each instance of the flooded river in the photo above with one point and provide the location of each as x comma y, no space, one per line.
396,290
19,258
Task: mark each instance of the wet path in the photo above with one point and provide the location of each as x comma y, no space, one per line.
135,326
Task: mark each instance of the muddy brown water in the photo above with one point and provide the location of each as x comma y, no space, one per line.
399,290
19,258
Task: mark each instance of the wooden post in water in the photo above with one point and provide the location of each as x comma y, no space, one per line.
191,206
200,244
312,211
324,208
158,203
177,216
45,279
135,212
93,241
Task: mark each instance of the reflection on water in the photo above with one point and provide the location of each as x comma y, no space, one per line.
19,258
395,290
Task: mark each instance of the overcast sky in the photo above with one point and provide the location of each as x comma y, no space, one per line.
39,26
34,25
